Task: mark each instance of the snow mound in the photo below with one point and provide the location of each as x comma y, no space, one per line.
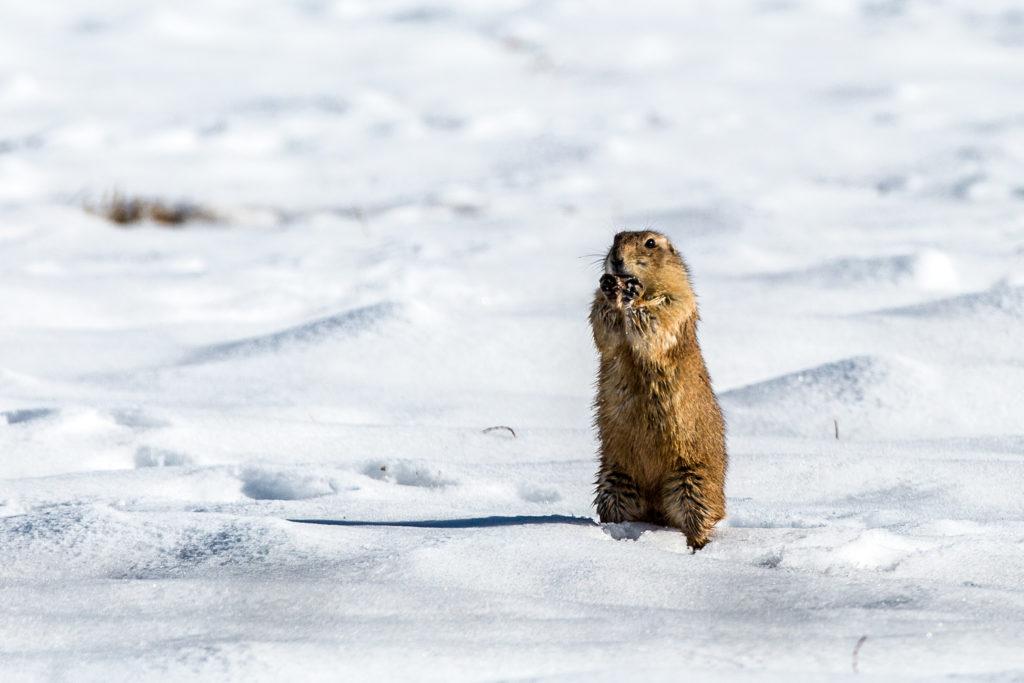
927,270
338,326
23,415
103,541
136,418
1000,300
874,549
10,508
860,393
201,546
76,438
238,543
67,537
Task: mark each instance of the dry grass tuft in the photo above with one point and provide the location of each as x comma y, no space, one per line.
123,210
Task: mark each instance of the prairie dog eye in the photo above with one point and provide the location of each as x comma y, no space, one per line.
650,244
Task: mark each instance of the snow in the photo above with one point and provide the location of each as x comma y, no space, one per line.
413,198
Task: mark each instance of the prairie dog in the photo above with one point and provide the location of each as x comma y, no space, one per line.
662,435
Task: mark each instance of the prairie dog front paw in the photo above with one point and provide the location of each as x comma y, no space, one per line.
611,285
632,289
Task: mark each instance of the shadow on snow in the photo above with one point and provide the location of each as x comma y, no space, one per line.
464,523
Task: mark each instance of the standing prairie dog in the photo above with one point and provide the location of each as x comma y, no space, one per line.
662,434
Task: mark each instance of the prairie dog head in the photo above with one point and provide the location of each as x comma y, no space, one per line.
649,257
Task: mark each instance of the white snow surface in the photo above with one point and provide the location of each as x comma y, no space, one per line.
413,196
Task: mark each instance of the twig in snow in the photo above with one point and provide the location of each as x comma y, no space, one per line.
836,423
497,427
856,651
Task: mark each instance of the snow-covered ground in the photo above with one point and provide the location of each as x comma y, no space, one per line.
413,196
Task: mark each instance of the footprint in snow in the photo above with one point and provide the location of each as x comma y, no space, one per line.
406,473
263,483
147,456
535,493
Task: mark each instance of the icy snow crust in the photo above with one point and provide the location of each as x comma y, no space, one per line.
414,195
